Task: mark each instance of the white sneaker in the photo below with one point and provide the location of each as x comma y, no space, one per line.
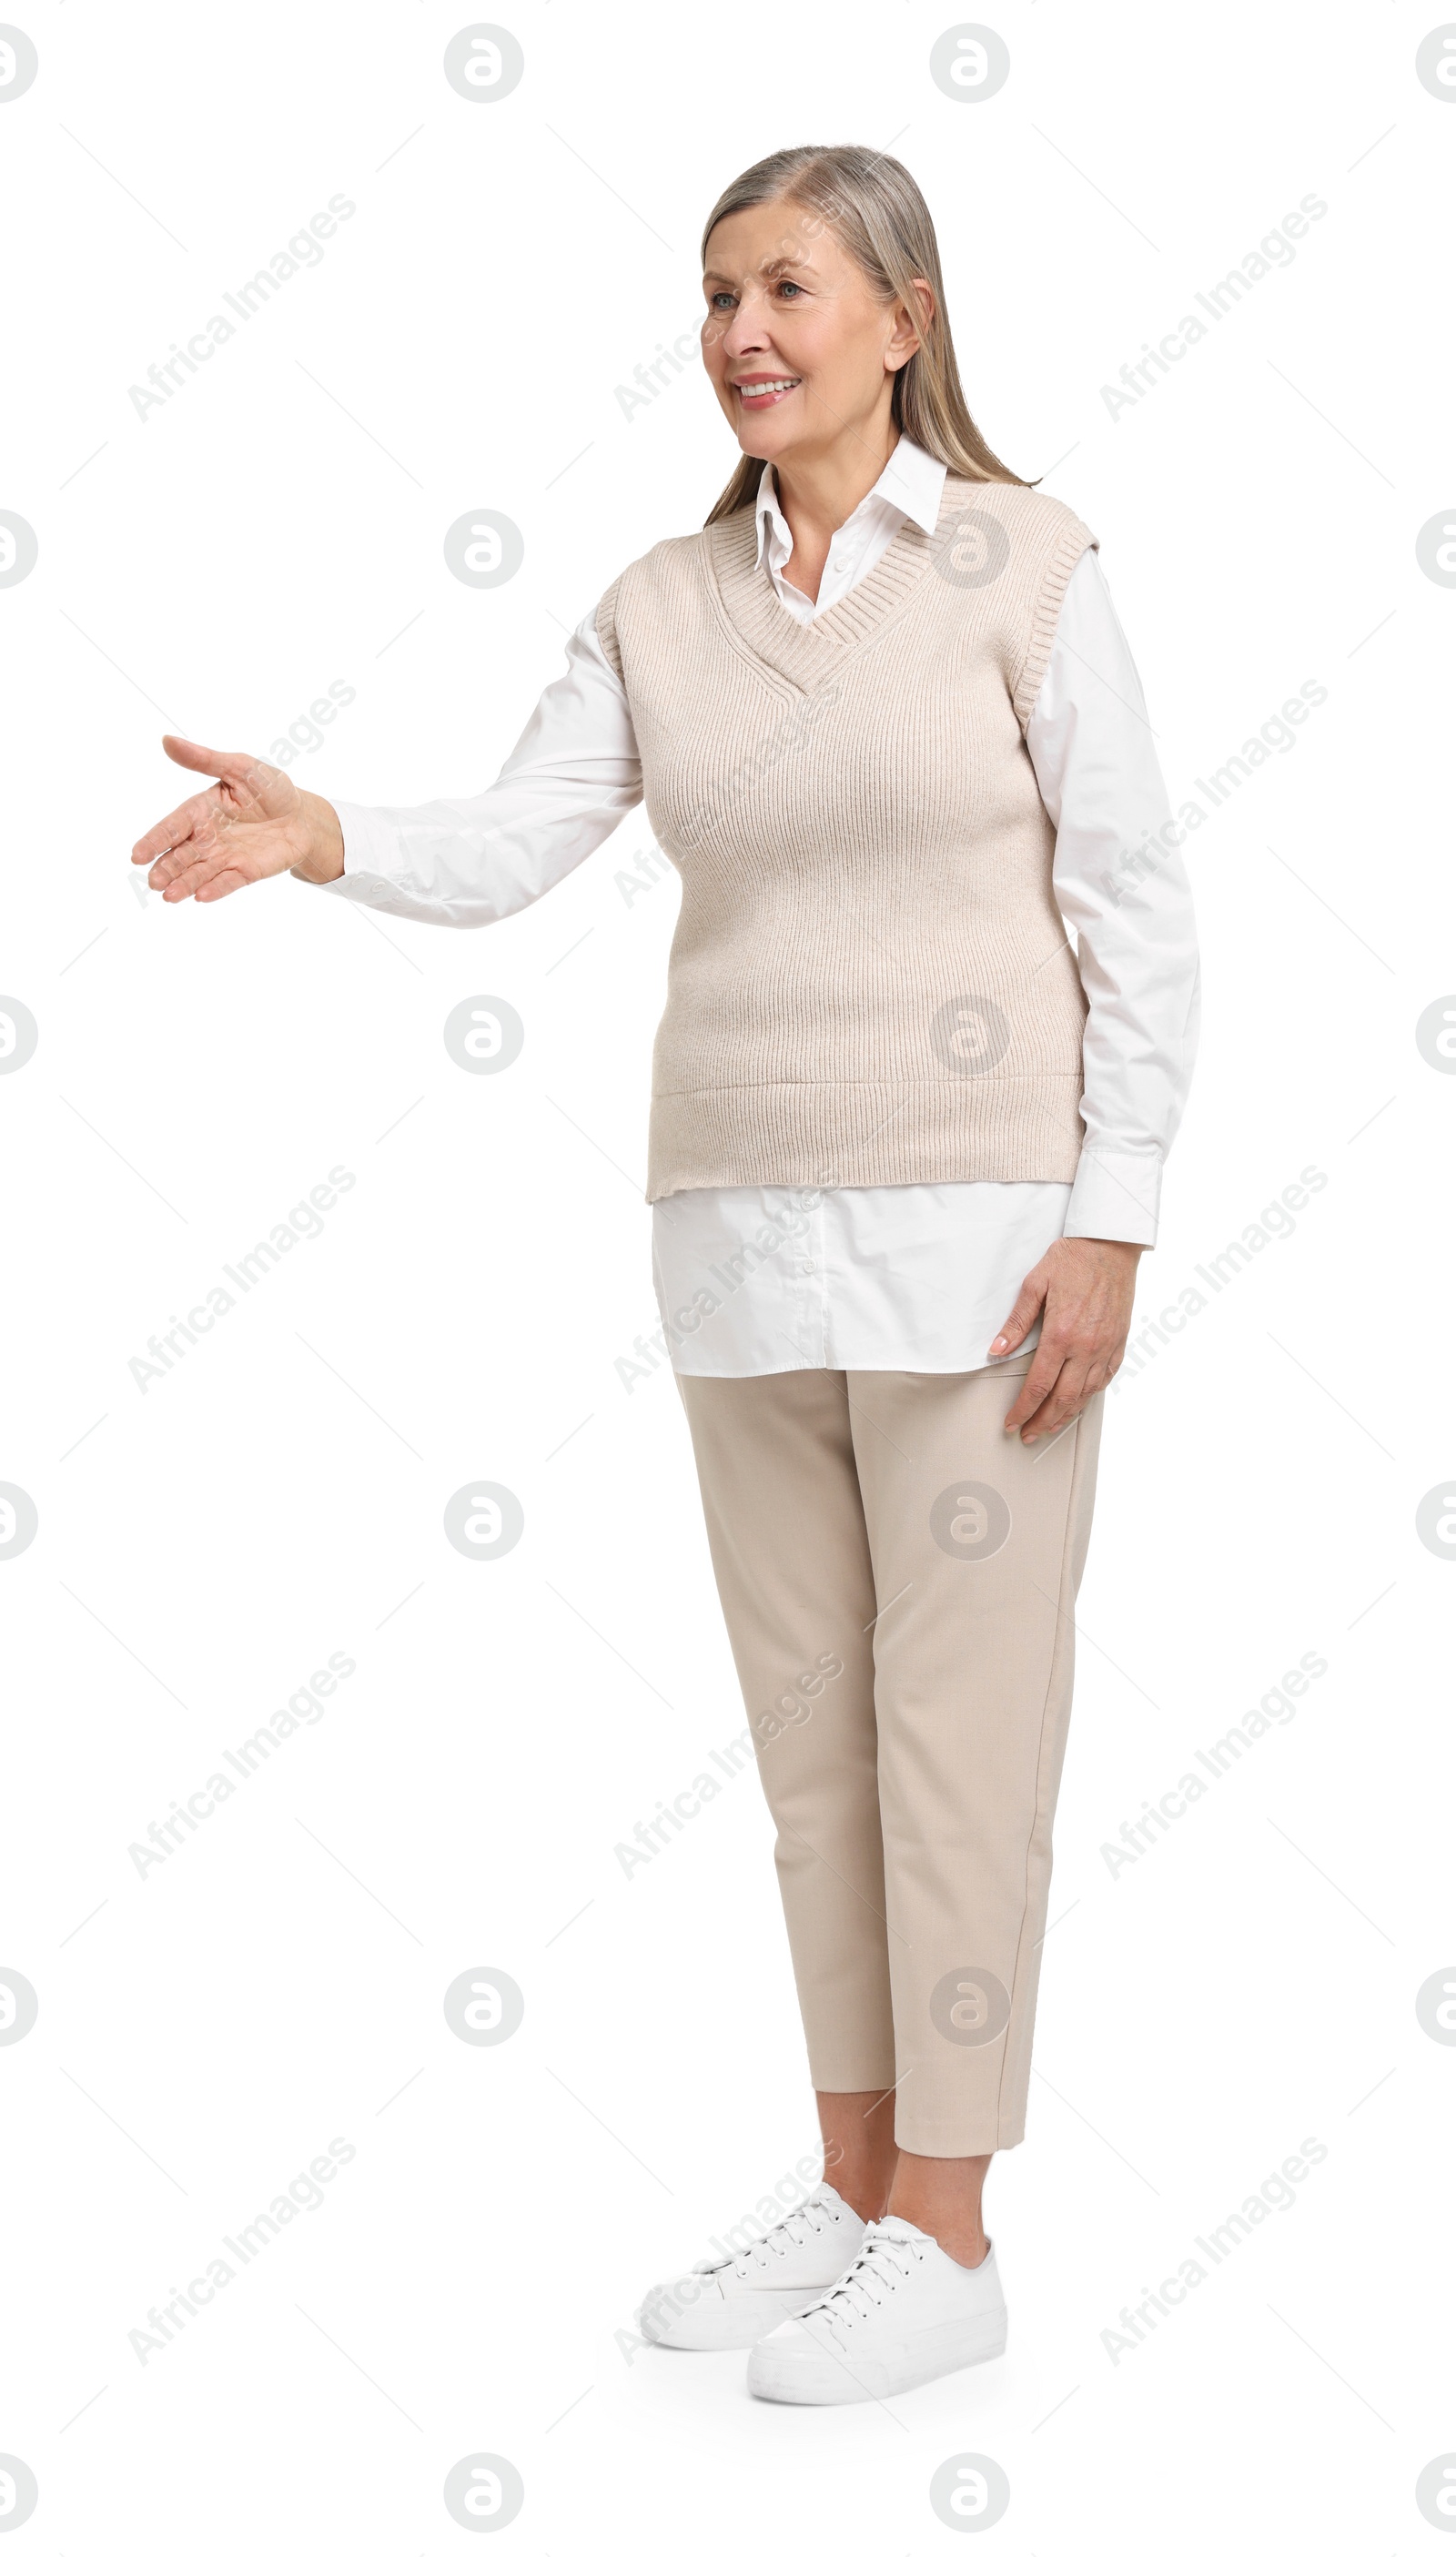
904,2312
718,2305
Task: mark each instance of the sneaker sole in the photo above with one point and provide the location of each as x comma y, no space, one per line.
825,2380
700,2328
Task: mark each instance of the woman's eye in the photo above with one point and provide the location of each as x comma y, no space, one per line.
718,299
789,286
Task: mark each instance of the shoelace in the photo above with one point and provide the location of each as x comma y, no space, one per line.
811,2219
881,2263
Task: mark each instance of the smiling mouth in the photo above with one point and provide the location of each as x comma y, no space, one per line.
761,394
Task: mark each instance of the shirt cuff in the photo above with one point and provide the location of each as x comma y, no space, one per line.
374,850
1115,1198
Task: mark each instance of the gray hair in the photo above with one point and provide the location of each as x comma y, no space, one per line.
877,214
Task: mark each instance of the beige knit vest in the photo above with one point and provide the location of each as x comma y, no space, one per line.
870,981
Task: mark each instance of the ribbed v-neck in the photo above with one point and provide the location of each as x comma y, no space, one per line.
806,652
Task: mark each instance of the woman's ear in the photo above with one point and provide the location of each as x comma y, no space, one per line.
911,326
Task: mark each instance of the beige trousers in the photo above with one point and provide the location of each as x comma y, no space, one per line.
898,1576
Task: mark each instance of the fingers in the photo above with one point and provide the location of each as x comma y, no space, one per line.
188,850
209,758
247,786
1070,1395
1020,1318
1037,1385
193,871
1059,1399
1084,1292
194,819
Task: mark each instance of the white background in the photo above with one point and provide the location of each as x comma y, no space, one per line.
204,1546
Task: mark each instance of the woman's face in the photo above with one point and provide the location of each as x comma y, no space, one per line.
796,346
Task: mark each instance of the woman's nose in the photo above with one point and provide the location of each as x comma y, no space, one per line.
745,331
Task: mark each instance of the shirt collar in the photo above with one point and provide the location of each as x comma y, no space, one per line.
910,483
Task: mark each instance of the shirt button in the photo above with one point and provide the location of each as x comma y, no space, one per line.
808,1267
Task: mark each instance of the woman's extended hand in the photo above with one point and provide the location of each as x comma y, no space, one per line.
1083,1291
253,825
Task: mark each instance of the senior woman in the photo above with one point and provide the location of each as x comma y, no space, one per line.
906,1148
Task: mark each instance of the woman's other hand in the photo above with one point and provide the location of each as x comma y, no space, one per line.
1083,1291
253,823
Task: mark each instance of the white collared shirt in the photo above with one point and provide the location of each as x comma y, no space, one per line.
909,485
917,1276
